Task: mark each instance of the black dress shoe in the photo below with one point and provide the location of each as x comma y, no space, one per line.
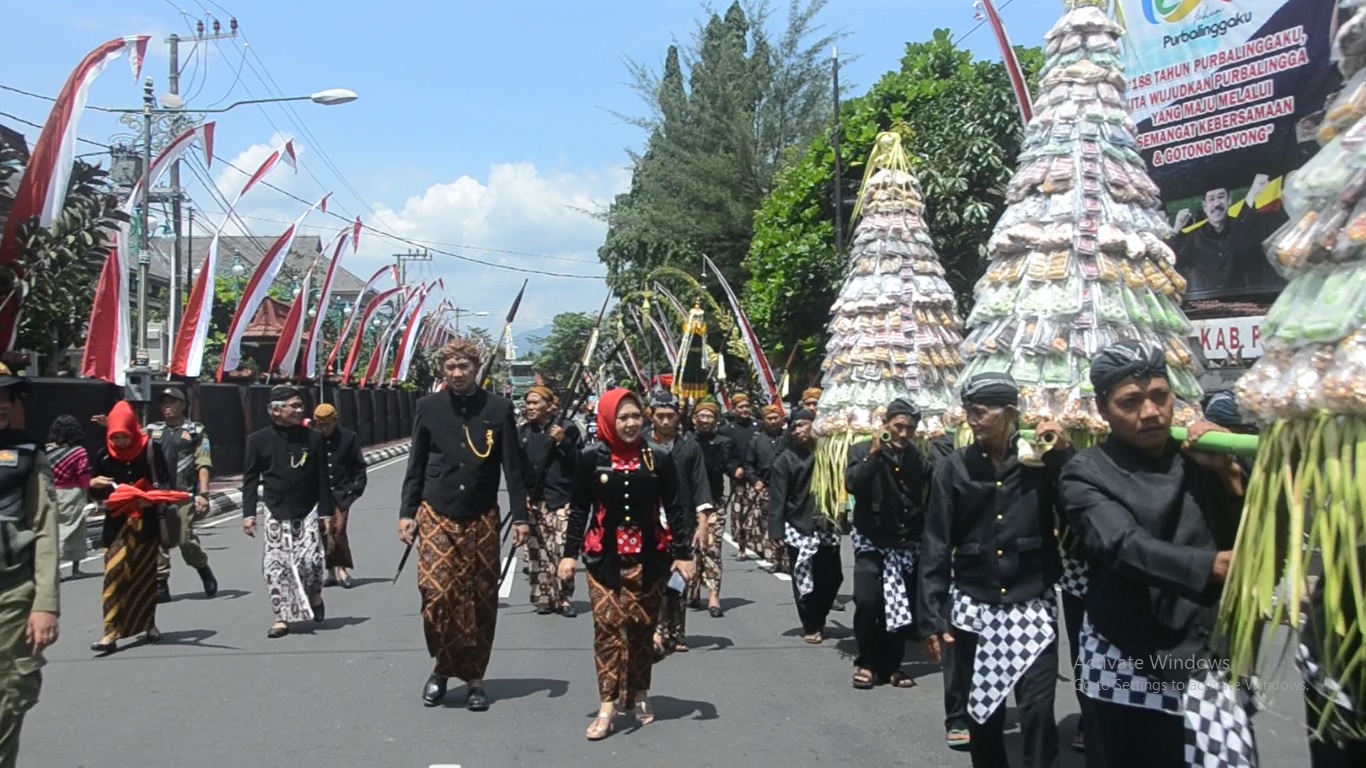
476,700
163,593
434,691
277,632
568,611
210,583
319,613
104,649
716,611
543,610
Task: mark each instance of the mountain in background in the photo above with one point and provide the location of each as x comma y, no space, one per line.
522,339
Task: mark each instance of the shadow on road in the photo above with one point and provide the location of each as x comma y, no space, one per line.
360,581
223,594
670,708
194,638
708,642
333,622
509,689
729,604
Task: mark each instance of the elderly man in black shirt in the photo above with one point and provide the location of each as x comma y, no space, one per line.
722,461
989,560
889,482
765,448
552,448
813,543
462,438
1156,522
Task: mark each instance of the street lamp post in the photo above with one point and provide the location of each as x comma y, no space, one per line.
459,313
329,97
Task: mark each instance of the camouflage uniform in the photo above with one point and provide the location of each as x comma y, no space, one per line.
187,445
29,572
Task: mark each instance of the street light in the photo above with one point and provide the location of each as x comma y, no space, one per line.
465,313
173,104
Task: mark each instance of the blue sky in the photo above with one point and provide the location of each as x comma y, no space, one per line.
486,127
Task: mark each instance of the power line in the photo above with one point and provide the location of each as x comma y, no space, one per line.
32,124
979,24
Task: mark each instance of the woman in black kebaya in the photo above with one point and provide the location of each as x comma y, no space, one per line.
620,486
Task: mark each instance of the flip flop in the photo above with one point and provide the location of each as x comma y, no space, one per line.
901,680
963,743
863,680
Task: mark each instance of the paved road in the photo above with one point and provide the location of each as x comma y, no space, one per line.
217,692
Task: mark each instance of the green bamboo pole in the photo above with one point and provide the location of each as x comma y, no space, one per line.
1213,442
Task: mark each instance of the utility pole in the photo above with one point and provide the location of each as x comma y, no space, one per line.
179,256
405,258
835,145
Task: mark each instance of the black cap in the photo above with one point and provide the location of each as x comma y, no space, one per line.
9,381
175,393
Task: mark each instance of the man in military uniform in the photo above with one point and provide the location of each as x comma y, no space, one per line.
186,446
29,569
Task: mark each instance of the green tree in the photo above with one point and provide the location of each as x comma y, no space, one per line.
962,128
723,115
62,263
560,349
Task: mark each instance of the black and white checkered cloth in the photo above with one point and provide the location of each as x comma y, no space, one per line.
896,563
806,549
1075,575
1010,638
1315,678
1218,716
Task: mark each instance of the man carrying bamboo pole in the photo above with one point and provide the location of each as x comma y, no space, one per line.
1156,523
989,560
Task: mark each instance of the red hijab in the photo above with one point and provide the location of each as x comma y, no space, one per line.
608,405
122,419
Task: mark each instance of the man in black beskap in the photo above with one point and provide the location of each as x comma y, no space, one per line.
1156,522
813,543
988,563
764,448
741,427
722,461
552,447
889,482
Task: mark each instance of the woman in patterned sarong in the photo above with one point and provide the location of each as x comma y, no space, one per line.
71,478
620,486
131,535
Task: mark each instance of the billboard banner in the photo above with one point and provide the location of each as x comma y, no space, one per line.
1227,96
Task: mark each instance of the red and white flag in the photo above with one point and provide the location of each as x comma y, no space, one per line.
370,309
392,269
108,345
986,9
406,346
380,355
42,190
188,356
762,371
284,361
258,287
324,300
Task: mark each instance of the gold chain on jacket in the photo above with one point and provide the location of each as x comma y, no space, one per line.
648,456
303,458
488,442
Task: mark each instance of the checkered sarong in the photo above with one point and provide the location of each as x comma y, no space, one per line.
1218,716
807,545
1075,575
1010,638
1315,678
896,562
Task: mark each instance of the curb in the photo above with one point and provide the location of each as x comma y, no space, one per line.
223,503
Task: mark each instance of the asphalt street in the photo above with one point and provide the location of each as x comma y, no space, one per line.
217,692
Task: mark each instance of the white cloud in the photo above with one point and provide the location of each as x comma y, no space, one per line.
517,207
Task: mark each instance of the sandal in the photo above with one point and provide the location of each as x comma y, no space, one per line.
601,727
279,629
645,714
681,648
1079,741
901,680
152,635
863,680
815,638
959,739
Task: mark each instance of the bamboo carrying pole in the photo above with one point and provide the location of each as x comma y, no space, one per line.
1213,442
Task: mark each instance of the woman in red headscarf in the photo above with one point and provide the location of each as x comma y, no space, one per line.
620,486
131,533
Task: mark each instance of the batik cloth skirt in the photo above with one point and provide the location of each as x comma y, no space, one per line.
623,632
543,549
457,576
336,543
72,513
130,581
293,565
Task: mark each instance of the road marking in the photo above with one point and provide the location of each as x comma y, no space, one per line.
505,590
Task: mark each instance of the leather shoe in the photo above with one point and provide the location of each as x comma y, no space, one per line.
568,611
434,691
210,583
319,613
476,700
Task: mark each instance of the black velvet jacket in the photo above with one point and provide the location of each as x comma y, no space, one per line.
149,465
605,499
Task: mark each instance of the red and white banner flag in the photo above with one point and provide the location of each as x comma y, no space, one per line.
108,345
1018,83
259,286
392,269
380,354
324,301
435,323
284,360
762,371
406,346
370,309
43,187
188,356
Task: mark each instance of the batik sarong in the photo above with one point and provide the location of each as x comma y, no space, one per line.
293,565
457,576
